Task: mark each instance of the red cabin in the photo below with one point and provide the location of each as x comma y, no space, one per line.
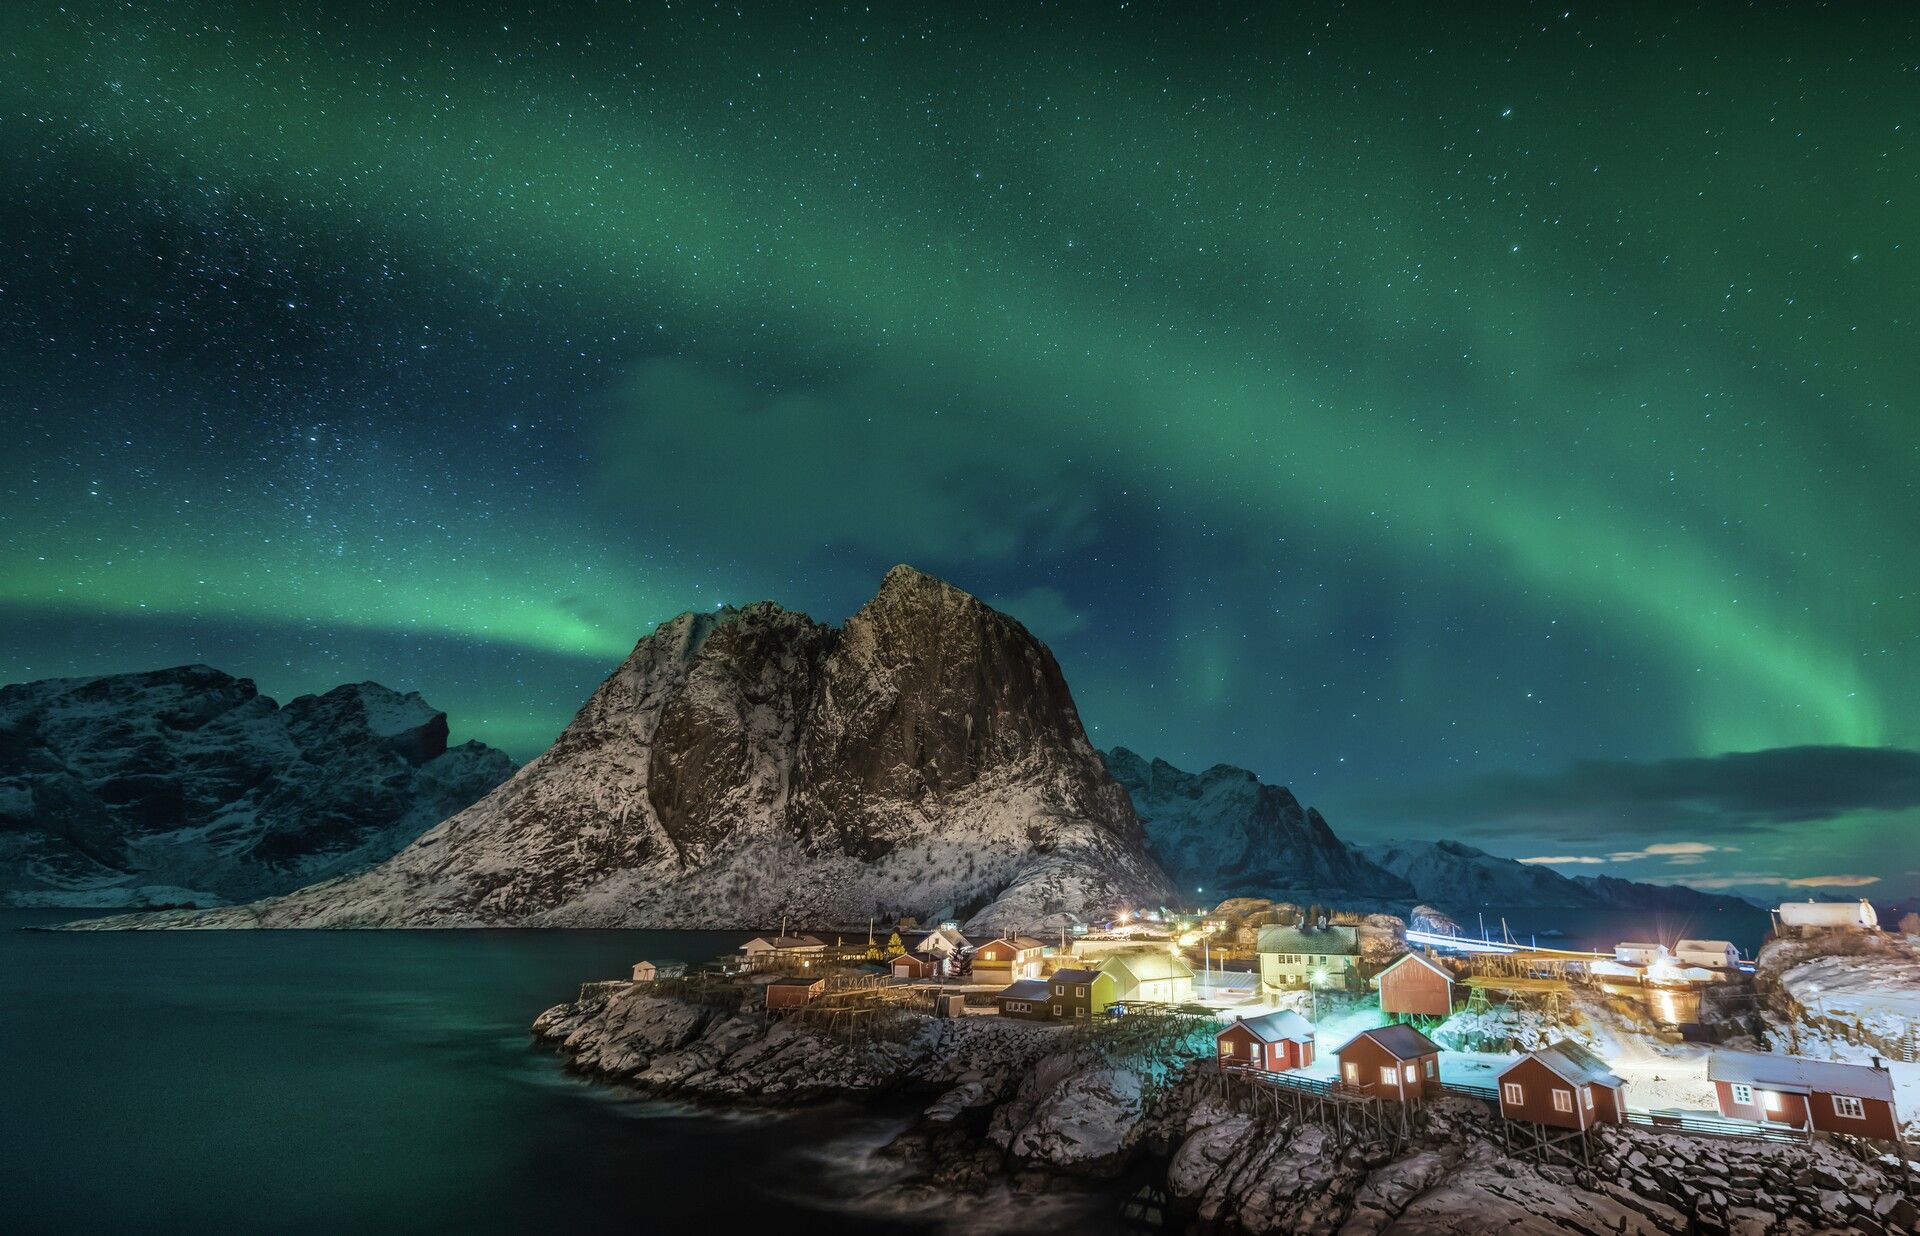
793,993
1564,1085
1392,1062
907,966
1276,1042
1415,986
1853,1099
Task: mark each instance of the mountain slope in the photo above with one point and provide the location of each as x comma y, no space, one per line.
752,764
1225,831
188,784
1456,876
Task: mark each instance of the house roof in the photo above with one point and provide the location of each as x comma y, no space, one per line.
783,942
1399,1041
1074,976
1798,1075
1232,980
790,981
1571,1063
1283,1026
1025,989
1419,958
1018,942
924,963
1646,944
942,940
1705,946
1147,967
1332,941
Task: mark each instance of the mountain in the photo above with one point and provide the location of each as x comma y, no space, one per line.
752,765
1226,831
1456,877
187,784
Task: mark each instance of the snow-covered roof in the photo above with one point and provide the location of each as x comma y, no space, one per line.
1025,989
1232,980
1799,1075
1571,1063
760,944
1333,941
1402,1042
1018,943
1074,976
1147,967
1704,946
1283,1026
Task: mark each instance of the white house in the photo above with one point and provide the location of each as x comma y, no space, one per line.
1712,954
943,943
1322,957
764,947
1635,953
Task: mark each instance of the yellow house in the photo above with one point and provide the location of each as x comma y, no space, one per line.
1157,977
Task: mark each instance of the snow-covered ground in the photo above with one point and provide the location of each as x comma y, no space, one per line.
1879,992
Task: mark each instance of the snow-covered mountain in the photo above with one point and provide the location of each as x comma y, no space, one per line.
1457,876
188,785
1229,833
753,764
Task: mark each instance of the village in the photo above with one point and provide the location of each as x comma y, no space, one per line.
1361,1018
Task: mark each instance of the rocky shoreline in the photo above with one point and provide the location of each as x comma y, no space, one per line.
1031,1101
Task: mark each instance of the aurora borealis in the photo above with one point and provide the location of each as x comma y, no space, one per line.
1483,421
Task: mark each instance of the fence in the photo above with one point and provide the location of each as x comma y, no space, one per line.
1711,1126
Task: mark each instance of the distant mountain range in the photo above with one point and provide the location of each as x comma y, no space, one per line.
740,768
188,785
1229,833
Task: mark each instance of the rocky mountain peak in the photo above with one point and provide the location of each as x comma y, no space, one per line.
745,765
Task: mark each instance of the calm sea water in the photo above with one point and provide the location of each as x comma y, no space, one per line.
384,1081
1600,930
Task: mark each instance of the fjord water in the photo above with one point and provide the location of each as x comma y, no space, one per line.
378,1082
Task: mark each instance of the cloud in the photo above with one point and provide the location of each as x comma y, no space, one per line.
1577,859
1716,796
1750,879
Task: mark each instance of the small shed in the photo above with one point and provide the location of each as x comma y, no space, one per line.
1392,1062
645,972
907,966
1769,1087
1157,977
1564,1085
1026,998
1276,1042
1415,986
1712,954
793,993
1225,986
949,1004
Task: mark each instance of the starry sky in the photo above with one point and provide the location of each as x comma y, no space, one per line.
1495,422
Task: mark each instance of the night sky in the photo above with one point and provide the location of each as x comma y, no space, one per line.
1497,423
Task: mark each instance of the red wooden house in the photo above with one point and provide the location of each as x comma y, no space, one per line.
1564,1085
1854,1099
907,966
1276,1042
1415,986
1391,1062
1009,957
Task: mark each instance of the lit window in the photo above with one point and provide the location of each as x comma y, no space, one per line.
1743,1095
1562,1100
1511,1093
1586,1097
1226,1047
1353,1073
1770,1100
1413,1074
1386,1075
1848,1106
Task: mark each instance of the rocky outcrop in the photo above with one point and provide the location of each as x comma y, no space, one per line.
752,765
187,784
1228,832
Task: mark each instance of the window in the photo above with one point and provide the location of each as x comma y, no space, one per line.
1081,992
1850,1107
1431,1068
1081,1011
1743,1095
1586,1097
1412,1073
1226,1047
1512,1094
1056,1010
1353,1073
1386,1075
1770,1100
1562,1100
